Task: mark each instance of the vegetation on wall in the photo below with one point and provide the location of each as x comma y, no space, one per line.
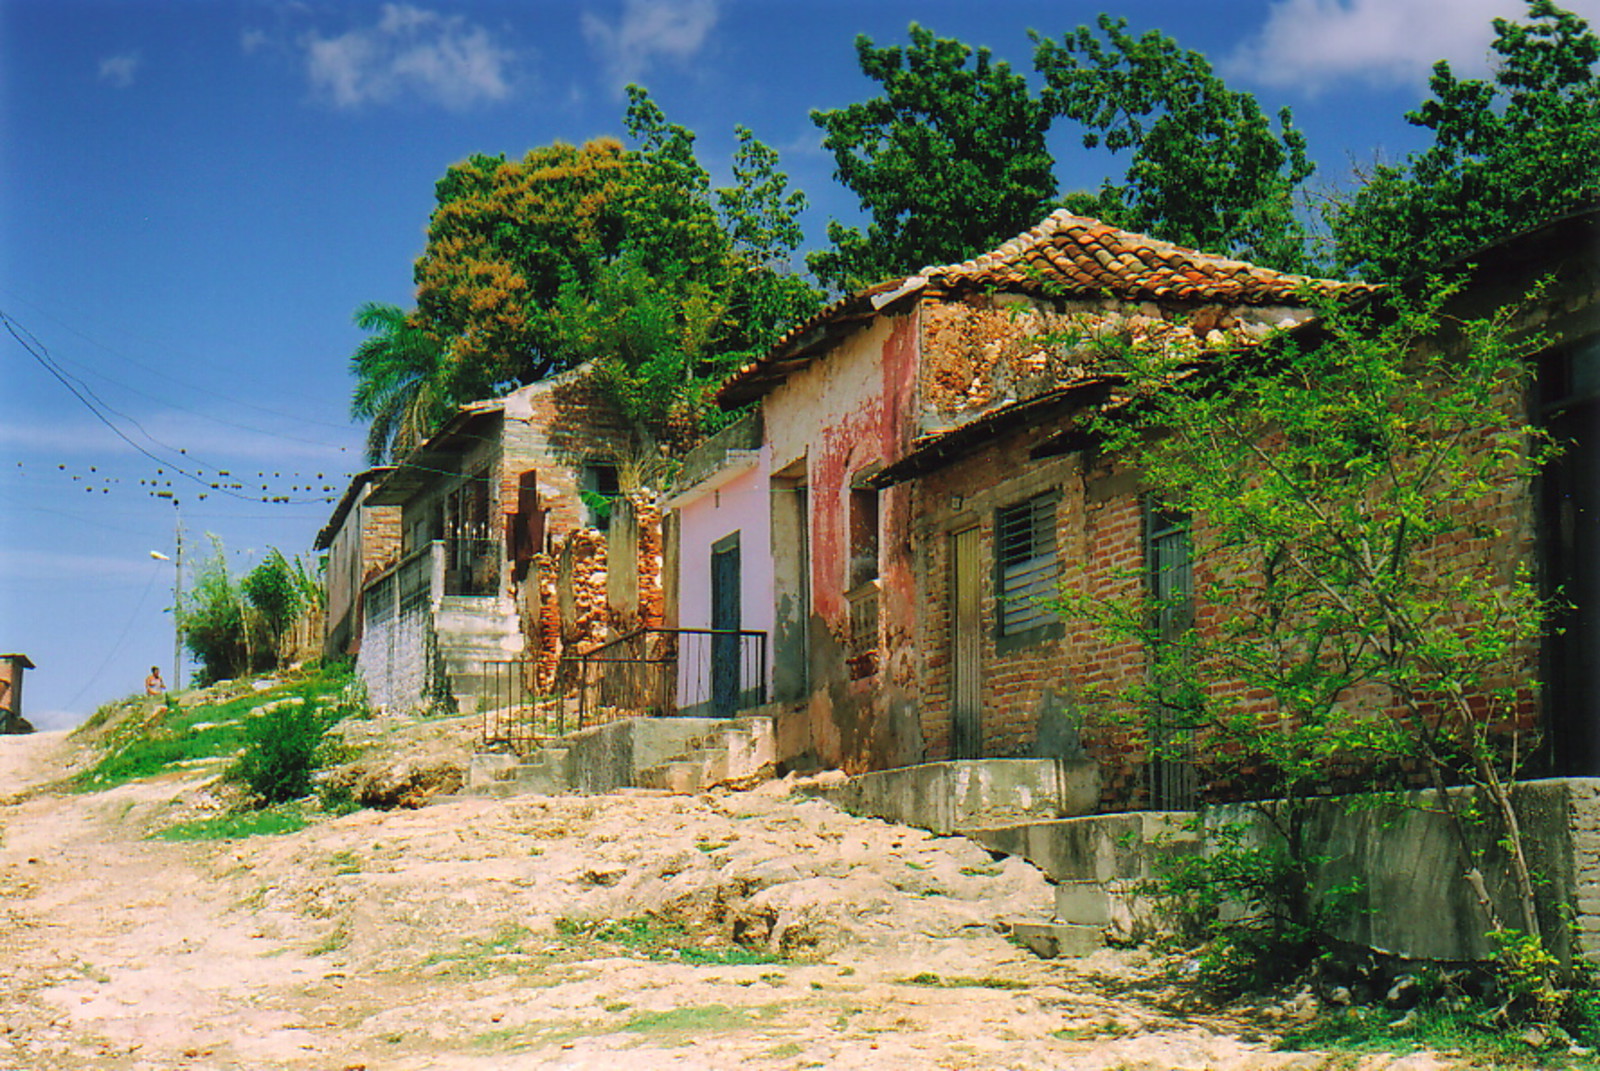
1357,628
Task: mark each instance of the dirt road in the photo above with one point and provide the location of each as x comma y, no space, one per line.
490,934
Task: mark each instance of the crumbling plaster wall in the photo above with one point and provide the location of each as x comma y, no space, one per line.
982,351
843,415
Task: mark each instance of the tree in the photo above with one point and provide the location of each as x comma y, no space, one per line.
691,292
1508,152
1207,169
949,161
505,238
401,387
1353,623
624,258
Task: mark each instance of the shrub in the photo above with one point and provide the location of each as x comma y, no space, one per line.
283,748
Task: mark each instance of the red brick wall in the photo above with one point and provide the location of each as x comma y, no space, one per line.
1100,543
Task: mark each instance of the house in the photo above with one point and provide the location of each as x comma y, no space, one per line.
11,669
726,603
926,486
508,494
885,630
360,541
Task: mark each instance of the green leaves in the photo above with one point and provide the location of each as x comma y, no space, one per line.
1206,170
1508,152
403,386
949,161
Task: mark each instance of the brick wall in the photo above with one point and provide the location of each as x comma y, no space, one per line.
1058,688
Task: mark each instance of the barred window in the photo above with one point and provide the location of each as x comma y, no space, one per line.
1025,564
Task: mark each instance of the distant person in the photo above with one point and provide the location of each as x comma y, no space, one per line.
153,684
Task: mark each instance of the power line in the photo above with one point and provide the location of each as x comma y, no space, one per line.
41,354
182,383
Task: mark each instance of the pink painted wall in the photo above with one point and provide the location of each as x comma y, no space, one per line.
739,505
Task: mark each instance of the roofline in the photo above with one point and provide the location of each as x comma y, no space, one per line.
347,502
797,346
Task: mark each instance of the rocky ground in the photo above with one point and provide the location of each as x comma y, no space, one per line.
755,929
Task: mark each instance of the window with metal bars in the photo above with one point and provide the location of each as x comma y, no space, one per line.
1026,567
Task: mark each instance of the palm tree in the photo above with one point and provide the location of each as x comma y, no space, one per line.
401,384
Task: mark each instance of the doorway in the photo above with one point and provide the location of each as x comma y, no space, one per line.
725,624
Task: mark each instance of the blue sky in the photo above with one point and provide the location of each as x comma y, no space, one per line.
195,196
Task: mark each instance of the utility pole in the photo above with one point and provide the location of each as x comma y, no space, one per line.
177,588
177,598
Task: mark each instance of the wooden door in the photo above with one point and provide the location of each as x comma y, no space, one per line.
966,730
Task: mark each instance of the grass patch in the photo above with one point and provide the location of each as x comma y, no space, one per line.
928,978
662,941
479,957
344,863
271,821
338,939
698,1019
169,735
1469,1030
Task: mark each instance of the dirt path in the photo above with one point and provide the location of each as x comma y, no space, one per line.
472,934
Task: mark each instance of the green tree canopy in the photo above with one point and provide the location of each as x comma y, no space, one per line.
1207,169
503,241
1510,151
627,258
949,160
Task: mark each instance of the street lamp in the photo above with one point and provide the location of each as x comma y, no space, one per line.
177,608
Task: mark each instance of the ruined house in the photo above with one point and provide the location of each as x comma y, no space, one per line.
501,508
925,487
902,372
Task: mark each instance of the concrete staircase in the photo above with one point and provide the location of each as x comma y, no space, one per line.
1098,865
469,631
736,750
671,754
1043,811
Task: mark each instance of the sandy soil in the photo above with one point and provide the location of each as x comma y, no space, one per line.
430,939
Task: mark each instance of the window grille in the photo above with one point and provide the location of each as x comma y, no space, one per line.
1026,564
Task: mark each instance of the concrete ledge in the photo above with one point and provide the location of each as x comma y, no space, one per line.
972,794
1402,857
1051,940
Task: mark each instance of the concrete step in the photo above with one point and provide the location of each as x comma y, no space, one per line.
546,772
684,777
1049,939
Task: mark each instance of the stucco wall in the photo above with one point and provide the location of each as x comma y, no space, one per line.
842,416
739,503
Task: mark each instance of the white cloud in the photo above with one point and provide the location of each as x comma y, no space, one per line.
647,31
1314,44
408,51
119,71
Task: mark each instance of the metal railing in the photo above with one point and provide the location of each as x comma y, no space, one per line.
516,713
708,673
652,672
471,566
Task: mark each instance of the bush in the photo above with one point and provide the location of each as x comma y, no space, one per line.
283,748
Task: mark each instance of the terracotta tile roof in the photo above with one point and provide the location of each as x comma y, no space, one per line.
1077,255
1064,256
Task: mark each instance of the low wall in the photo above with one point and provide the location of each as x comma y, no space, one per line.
608,757
1413,900
950,797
